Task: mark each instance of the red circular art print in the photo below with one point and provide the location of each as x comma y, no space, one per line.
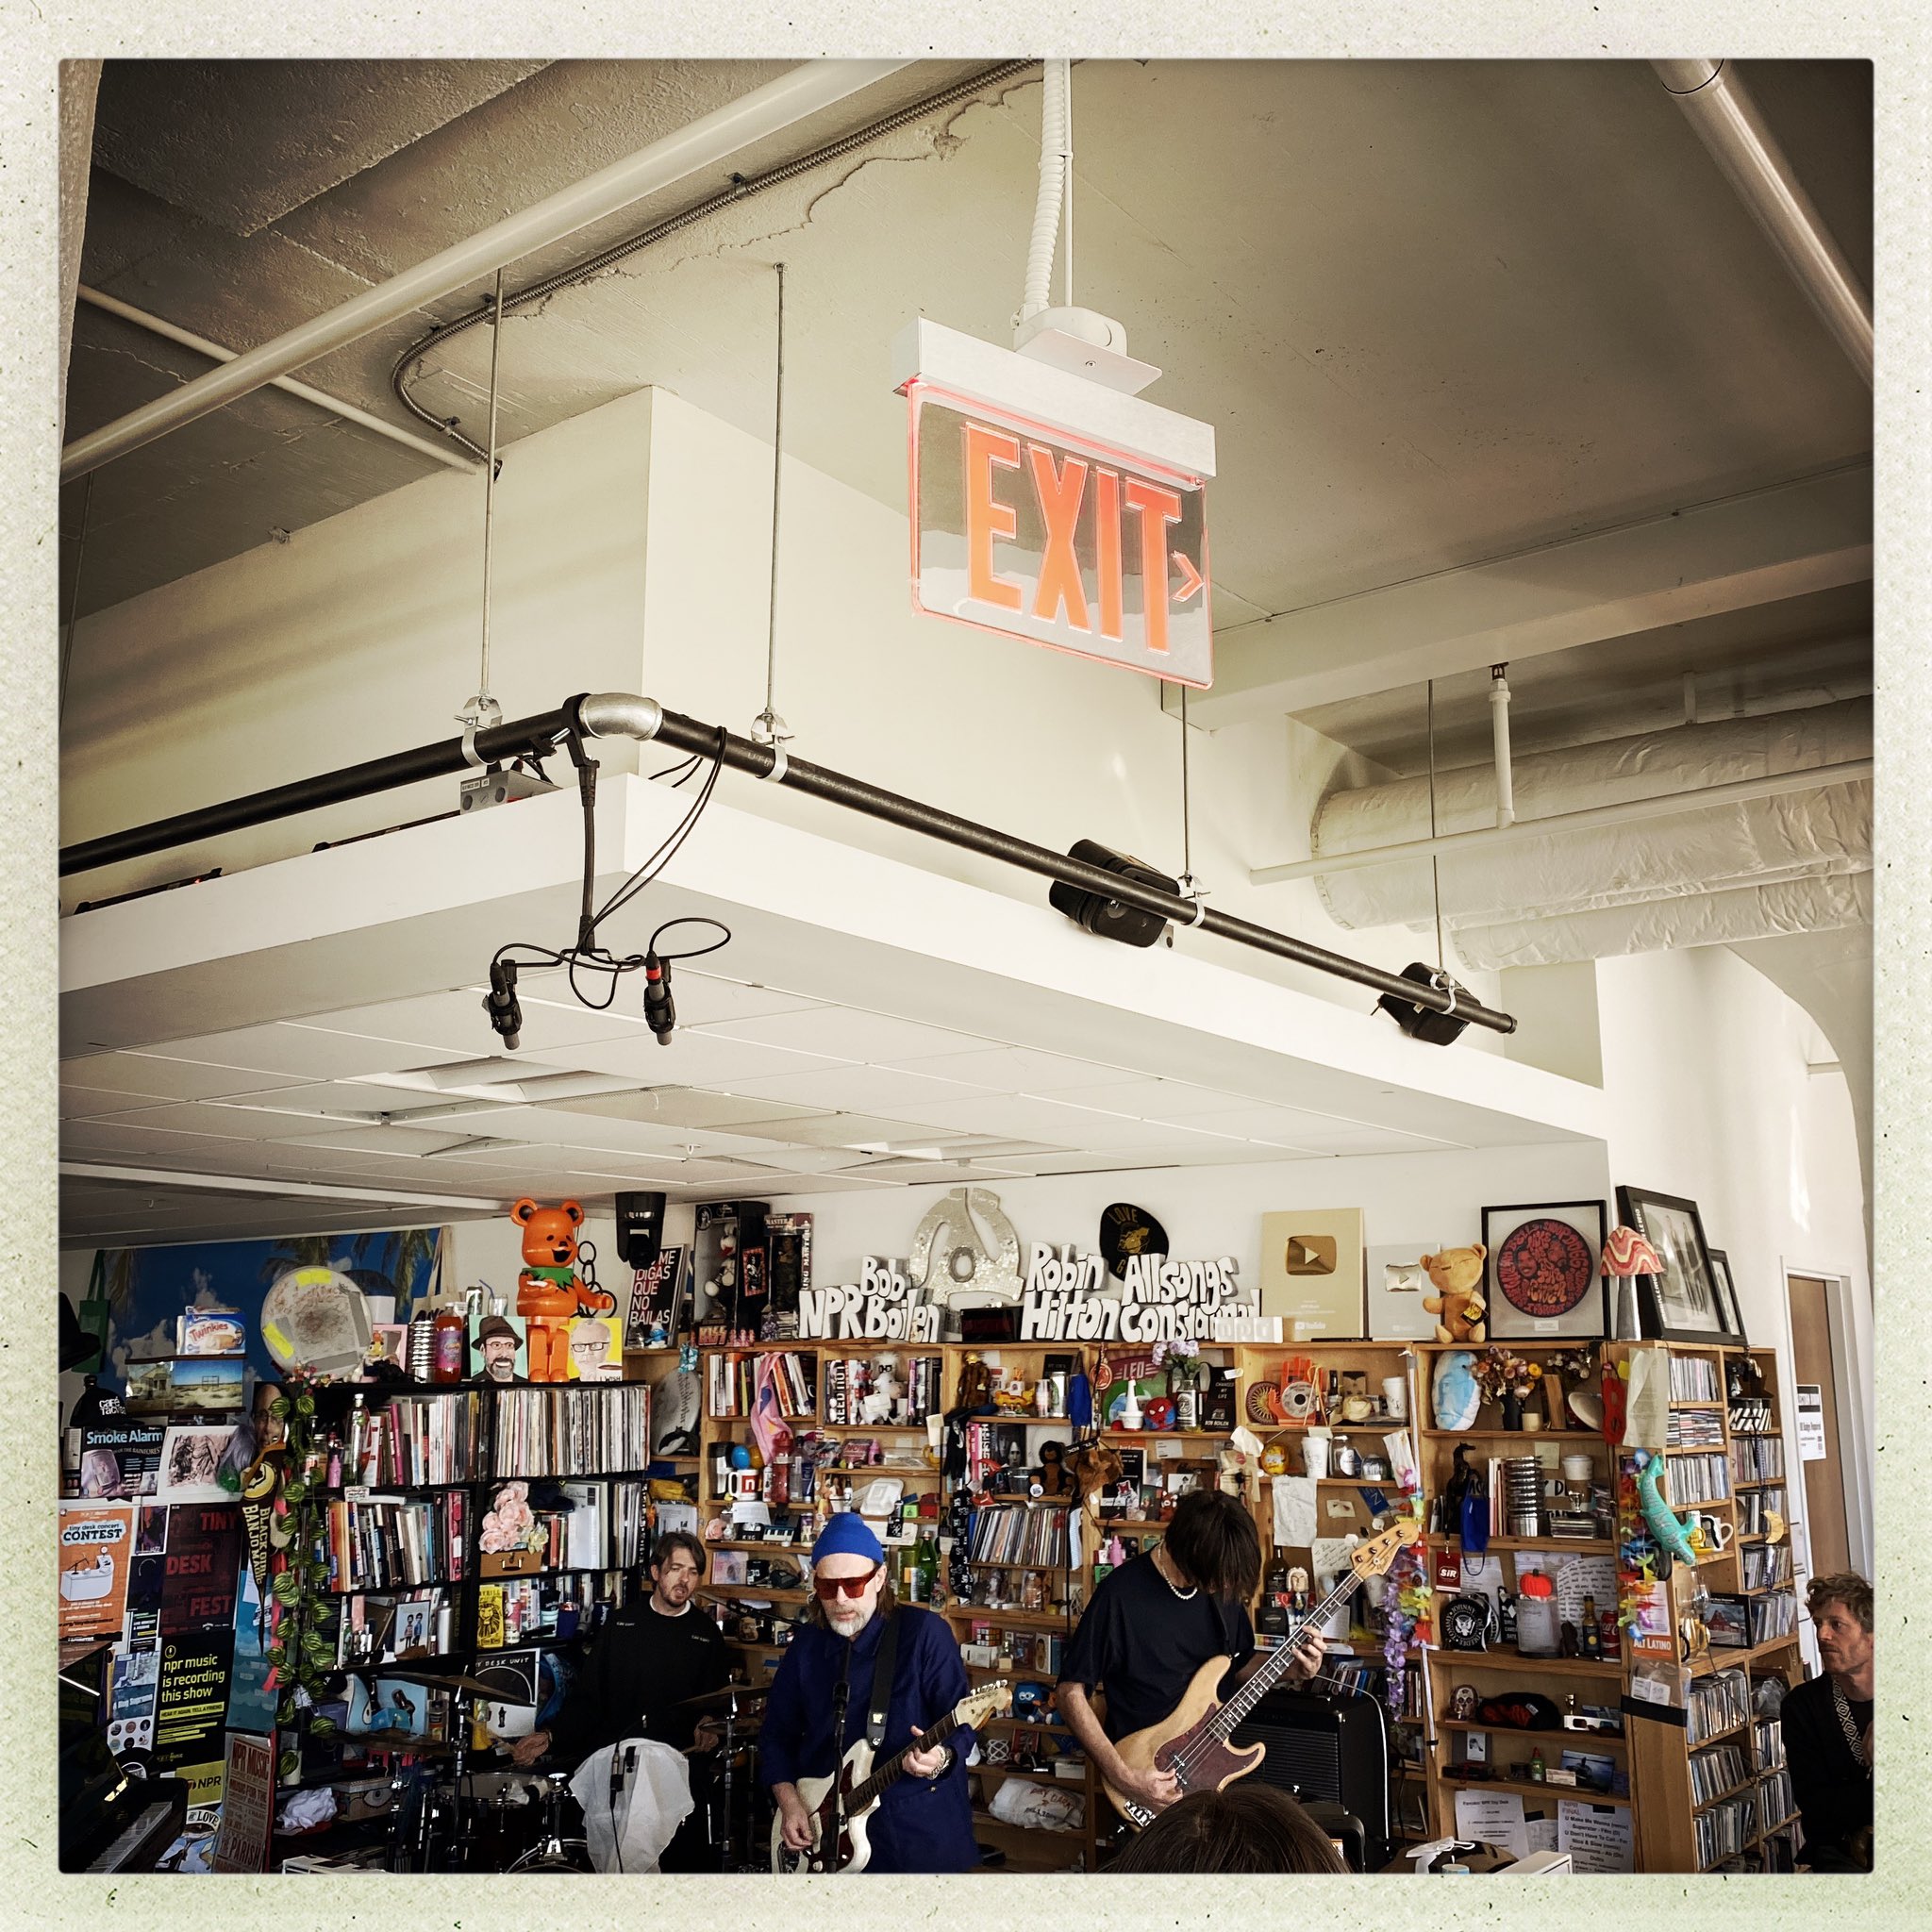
1543,1268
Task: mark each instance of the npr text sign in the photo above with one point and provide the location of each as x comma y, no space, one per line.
1026,529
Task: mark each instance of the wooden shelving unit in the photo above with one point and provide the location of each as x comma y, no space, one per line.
1654,1754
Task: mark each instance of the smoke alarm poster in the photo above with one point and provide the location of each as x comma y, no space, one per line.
96,1542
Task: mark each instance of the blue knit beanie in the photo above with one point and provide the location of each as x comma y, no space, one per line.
846,1535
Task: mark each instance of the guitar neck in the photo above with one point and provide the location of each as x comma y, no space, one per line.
1281,1661
893,1769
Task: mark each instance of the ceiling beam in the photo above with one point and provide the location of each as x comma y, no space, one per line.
1784,541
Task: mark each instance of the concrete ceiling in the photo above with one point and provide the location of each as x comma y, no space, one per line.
1438,311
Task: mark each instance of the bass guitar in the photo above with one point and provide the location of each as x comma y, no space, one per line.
1191,1740
841,1804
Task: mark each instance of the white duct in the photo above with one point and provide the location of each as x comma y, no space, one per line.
1797,861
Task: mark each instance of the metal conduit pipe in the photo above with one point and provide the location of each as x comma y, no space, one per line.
621,714
169,332
709,139
1720,107
742,189
1499,731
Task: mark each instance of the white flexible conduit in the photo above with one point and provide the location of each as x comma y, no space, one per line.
1800,860
1053,183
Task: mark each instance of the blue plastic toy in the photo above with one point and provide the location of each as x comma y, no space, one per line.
1666,1530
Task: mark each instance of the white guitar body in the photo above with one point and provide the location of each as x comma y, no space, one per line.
851,1850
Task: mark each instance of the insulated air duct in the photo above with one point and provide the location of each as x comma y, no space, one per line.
1799,861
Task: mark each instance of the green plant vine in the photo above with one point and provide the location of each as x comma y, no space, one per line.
302,1657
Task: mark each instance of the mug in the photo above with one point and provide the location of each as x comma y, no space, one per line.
1577,1468
1713,1532
1395,1397
1315,1453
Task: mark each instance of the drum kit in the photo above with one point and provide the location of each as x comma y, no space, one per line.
527,1822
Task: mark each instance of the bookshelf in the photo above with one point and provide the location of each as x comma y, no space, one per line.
1706,1796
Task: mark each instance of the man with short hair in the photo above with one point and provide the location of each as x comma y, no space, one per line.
924,1822
648,1659
1154,1621
1827,1728
590,1351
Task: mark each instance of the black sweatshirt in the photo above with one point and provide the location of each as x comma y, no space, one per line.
1832,1789
642,1665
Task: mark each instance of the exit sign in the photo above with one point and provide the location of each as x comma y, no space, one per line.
1046,508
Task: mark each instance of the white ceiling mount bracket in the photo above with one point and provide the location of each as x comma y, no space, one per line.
1083,344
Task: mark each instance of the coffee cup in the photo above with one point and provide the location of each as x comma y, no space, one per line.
1315,1446
1714,1532
1577,1468
1395,1397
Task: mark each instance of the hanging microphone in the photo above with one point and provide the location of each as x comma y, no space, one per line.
660,1015
500,1002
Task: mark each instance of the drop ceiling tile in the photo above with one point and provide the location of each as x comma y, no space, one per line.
693,1107
1151,1100
1344,1137
703,998
830,1130
874,1089
305,1051
848,1033
1017,1070
1027,1117
454,1023
1283,1127
90,1103
399,1142
168,1078
212,1121
695,1060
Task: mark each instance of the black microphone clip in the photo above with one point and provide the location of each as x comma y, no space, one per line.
660,1014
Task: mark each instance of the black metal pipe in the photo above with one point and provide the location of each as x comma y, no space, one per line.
746,755
520,735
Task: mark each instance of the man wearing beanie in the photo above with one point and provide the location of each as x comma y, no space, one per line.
923,1822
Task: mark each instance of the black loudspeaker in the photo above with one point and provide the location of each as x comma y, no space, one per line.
1327,1750
640,1228
1109,919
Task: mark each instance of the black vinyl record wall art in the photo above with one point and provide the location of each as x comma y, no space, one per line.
1544,1266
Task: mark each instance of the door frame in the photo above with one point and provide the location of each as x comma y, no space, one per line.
1852,1368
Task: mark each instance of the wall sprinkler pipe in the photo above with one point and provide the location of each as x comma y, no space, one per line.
618,714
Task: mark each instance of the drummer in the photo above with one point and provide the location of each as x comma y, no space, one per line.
648,1659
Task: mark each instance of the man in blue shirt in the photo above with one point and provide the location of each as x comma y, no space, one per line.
924,1822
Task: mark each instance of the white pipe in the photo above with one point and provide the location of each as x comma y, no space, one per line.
705,142
1499,726
1626,811
1046,206
1719,106
441,452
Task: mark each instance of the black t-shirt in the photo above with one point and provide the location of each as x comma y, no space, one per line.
642,1665
1832,1789
1141,1644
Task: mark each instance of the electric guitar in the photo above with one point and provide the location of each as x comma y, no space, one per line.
842,1803
1191,1740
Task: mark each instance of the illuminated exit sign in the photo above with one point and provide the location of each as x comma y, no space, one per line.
1047,508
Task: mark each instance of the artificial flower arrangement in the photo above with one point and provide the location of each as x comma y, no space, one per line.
510,1523
1501,1373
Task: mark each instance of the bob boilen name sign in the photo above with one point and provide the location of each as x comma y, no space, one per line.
1067,1298
882,1305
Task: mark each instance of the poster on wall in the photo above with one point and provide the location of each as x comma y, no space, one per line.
1311,1273
248,1772
120,1459
96,1546
202,1568
191,1703
251,1703
150,1290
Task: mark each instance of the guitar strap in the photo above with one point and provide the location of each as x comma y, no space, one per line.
884,1665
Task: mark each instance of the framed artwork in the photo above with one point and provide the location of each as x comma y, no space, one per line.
596,1349
1727,1293
1543,1279
1396,1287
1312,1274
1683,1303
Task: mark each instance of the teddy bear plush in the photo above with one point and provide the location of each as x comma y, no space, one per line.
1458,1302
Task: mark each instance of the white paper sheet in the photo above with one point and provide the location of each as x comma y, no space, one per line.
1494,1818
1294,1511
1597,1837
1542,1835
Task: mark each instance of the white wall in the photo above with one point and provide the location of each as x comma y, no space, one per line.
1432,1199
1704,1074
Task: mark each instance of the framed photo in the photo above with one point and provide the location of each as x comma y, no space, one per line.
1683,1303
1545,1283
1727,1291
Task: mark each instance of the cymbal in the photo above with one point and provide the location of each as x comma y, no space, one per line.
475,1686
732,1697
